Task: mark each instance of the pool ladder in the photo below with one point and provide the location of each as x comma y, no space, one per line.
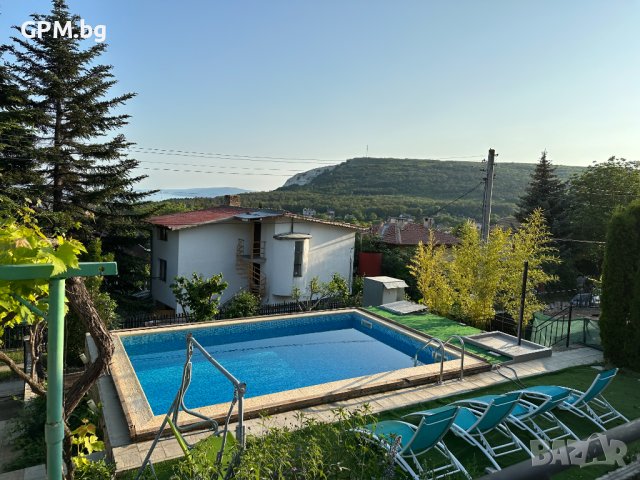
442,350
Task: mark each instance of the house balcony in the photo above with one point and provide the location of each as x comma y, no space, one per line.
251,251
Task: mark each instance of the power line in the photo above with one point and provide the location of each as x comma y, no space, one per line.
243,157
576,241
455,200
214,172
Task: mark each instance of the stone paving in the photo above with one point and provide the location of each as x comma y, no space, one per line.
129,455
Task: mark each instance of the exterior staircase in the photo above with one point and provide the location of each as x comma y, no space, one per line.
249,263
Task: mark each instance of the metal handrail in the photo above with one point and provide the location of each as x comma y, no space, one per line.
461,340
239,387
441,345
171,418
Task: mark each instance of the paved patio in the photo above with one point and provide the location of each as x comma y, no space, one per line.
129,455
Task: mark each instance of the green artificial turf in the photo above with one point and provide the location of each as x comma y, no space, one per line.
441,328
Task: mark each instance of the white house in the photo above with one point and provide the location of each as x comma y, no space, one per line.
264,251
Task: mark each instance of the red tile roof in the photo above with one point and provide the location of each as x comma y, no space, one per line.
176,221
412,234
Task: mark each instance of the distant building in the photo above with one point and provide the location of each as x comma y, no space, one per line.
308,212
402,231
268,252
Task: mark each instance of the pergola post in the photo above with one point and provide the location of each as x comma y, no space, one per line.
54,427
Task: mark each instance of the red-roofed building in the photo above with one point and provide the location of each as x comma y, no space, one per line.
268,252
407,233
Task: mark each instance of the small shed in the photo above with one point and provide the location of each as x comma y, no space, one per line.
381,290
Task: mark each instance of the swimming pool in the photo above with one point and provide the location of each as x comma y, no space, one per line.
270,357
287,362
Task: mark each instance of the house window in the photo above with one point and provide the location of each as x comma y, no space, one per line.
162,234
162,274
297,258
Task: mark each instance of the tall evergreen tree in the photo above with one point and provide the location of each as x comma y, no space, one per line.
620,316
19,176
88,178
545,191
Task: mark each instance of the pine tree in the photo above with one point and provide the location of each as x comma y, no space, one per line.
19,178
545,191
88,178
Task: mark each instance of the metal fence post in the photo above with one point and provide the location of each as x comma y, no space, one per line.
569,326
522,300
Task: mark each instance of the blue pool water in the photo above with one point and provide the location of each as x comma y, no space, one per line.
269,357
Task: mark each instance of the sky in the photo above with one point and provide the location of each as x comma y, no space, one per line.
311,83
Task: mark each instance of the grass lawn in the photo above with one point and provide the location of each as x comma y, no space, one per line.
208,447
441,328
623,394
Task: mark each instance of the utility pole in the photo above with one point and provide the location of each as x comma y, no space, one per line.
488,189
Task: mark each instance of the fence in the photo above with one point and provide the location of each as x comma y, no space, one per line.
565,328
12,338
151,320
503,322
562,328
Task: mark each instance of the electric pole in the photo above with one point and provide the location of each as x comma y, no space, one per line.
488,189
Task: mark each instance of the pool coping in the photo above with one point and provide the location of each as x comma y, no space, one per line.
143,424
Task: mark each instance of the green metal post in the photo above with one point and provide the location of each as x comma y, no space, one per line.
54,428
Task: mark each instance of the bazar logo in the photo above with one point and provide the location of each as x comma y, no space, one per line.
613,451
33,29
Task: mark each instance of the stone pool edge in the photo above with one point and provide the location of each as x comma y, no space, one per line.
142,424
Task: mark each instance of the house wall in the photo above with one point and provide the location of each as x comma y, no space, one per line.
211,249
328,251
166,250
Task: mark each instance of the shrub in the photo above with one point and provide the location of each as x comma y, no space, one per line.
27,430
243,304
98,470
307,449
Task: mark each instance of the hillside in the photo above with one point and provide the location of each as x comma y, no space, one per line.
371,188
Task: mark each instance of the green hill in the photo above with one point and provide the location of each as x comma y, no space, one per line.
372,188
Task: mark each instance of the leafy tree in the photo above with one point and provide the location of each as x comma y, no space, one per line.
337,287
545,191
317,291
530,243
594,196
87,179
479,276
243,304
199,297
476,272
620,315
429,266
22,242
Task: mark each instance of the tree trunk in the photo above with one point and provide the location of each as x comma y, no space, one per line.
37,387
81,303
